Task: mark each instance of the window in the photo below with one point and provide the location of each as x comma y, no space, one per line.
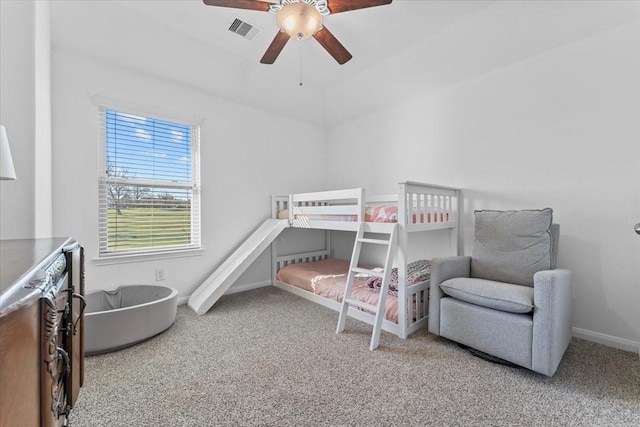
149,192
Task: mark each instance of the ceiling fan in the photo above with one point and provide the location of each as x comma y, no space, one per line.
301,19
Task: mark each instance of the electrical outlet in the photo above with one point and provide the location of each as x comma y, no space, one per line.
159,274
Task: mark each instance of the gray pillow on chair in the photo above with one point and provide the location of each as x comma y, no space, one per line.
511,246
491,294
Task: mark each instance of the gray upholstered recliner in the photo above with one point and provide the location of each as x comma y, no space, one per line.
507,299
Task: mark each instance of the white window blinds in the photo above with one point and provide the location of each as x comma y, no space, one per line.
149,190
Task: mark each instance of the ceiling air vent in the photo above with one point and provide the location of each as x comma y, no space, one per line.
242,28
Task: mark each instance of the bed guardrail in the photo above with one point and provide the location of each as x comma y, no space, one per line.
331,210
420,207
279,204
427,206
284,260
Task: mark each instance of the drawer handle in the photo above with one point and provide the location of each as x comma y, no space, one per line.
65,356
83,305
62,408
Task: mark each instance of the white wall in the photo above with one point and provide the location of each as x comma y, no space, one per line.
25,110
247,155
17,112
42,125
560,129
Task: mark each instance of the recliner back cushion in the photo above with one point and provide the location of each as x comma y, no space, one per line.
511,246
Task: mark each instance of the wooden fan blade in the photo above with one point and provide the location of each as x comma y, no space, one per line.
239,4
275,48
337,6
332,45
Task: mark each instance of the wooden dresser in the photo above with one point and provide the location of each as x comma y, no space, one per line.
41,320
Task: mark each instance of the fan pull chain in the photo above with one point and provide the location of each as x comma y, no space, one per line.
300,64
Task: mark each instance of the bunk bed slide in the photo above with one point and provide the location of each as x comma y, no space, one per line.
228,272
415,208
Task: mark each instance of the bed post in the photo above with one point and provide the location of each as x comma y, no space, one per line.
455,232
274,251
277,204
362,203
290,205
402,260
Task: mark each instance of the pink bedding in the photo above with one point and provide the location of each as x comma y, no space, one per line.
387,214
327,278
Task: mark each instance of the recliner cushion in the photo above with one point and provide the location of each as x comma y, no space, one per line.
511,246
490,294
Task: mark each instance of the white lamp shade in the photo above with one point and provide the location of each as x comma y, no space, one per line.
299,20
6,161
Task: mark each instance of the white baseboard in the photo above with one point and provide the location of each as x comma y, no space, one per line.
249,286
233,290
608,340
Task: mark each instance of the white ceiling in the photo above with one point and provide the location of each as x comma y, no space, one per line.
406,48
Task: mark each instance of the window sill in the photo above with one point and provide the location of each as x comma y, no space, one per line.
128,258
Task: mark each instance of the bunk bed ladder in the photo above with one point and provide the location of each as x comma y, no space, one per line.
385,275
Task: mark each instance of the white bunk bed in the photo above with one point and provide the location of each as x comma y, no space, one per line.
420,208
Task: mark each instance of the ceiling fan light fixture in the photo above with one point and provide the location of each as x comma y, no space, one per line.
299,20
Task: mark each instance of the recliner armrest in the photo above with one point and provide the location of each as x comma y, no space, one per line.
552,317
444,269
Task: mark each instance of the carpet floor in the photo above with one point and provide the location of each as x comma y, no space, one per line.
269,358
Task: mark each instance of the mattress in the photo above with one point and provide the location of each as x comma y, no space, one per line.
327,278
